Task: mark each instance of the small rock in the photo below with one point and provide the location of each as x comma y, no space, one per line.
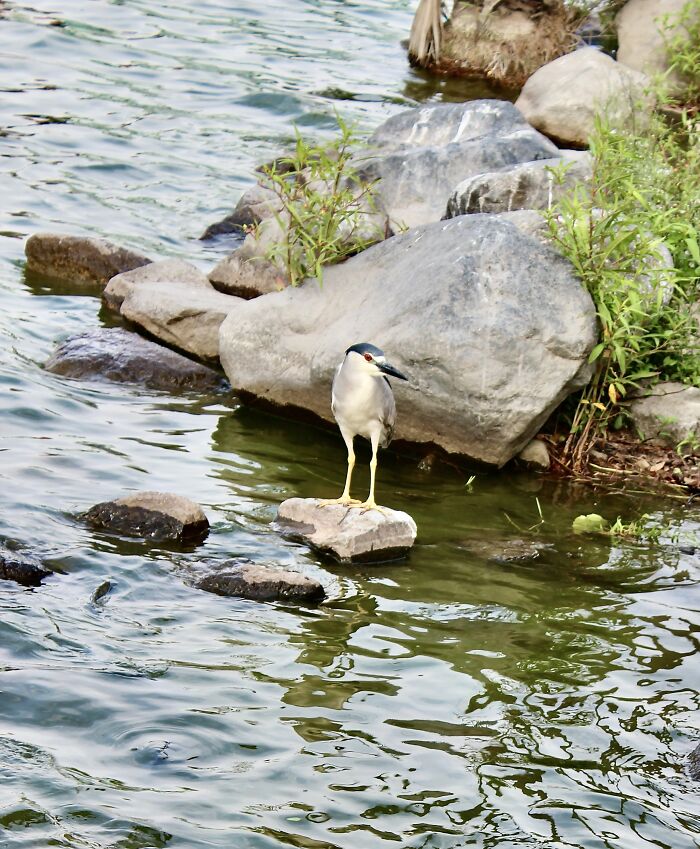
246,275
694,763
182,314
562,98
156,516
256,204
672,412
79,257
104,589
124,357
530,185
21,568
348,534
535,455
261,583
165,271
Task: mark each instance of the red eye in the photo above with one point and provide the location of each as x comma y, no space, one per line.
368,357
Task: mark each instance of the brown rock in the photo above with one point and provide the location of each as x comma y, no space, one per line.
261,583
158,516
79,257
21,568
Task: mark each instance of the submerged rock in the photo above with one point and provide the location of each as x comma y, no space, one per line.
79,257
420,155
185,315
505,332
694,763
348,534
505,549
21,568
531,185
165,271
671,412
159,516
124,357
562,98
261,583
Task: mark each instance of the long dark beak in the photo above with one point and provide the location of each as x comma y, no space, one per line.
387,368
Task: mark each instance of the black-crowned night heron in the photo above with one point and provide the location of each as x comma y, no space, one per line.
363,404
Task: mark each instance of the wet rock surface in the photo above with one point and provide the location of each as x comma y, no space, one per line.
348,534
506,328
121,356
243,579
21,568
422,154
185,315
158,516
562,98
165,271
694,763
255,204
83,258
531,185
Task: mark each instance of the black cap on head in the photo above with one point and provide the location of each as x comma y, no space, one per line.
365,348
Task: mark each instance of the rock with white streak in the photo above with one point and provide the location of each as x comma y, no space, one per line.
165,271
79,258
348,534
185,315
530,185
419,156
563,98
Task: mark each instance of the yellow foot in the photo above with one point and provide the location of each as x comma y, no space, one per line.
372,505
346,500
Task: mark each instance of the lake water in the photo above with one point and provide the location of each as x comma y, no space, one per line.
450,701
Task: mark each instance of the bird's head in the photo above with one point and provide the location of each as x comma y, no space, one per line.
371,360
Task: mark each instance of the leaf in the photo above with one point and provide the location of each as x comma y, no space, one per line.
590,524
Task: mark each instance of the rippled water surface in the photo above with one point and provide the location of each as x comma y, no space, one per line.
450,701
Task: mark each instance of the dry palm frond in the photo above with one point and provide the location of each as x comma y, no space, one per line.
426,33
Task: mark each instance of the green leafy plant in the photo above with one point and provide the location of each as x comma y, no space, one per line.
683,49
326,212
638,529
632,237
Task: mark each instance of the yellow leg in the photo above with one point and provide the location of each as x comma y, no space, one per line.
345,497
371,504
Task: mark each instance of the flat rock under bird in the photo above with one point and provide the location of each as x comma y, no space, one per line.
363,404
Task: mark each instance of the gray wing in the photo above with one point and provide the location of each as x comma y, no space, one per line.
388,414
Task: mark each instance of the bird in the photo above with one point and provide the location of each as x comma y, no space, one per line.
363,405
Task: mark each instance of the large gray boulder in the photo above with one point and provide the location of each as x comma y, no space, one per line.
530,185
121,356
562,98
255,204
81,258
158,516
184,315
490,324
165,271
643,37
348,534
671,411
419,156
